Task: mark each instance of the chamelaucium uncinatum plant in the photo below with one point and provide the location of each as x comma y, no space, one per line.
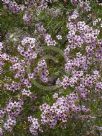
50,68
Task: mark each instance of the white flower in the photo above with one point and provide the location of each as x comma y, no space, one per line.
55,96
1,45
59,37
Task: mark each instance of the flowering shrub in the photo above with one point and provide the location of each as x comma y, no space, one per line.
51,70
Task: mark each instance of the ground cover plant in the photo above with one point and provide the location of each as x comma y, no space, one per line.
50,68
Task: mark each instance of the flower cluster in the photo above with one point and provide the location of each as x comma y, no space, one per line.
42,70
49,40
74,2
85,5
27,18
84,38
26,92
63,109
46,37
9,124
12,110
13,6
35,126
